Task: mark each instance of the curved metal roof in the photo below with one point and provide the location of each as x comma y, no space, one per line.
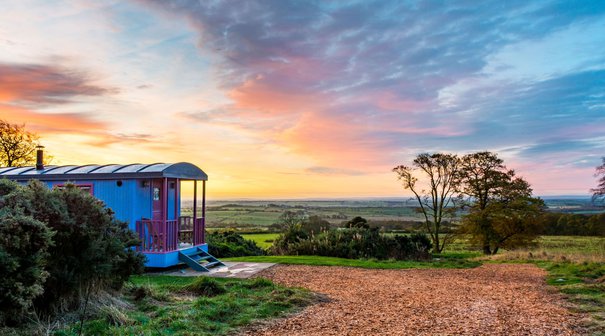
183,170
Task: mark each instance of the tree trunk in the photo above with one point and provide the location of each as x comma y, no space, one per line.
486,249
437,247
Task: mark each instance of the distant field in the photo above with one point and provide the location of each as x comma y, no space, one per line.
263,240
260,217
392,214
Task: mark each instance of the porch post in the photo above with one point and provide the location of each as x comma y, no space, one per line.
177,198
203,212
194,199
195,227
165,199
165,213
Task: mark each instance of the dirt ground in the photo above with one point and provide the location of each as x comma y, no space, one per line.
503,299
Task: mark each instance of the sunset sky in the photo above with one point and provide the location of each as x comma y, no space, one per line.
306,99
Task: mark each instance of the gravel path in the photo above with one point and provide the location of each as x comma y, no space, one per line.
503,299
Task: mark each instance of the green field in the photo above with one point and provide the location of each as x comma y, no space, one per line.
263,240
392,214
573,244
560,248
252,216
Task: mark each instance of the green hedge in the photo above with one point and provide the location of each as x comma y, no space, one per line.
352,243
226,244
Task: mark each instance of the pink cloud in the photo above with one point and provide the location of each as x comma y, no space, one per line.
42,84
261,95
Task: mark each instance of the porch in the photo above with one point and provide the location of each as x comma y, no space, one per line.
163,236
168,230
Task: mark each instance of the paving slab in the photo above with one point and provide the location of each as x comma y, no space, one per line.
241,270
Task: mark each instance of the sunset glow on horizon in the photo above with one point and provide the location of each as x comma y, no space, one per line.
304,99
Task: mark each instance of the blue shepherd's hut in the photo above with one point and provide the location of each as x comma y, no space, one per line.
148,197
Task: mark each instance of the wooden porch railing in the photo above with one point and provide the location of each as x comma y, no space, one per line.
158,236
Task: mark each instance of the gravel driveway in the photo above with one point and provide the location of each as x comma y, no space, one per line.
494,299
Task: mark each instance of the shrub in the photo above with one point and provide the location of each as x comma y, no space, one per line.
23,249
228,244
353,243
91,250
357,222
314,225
286,241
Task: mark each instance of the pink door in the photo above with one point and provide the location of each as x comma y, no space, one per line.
157,195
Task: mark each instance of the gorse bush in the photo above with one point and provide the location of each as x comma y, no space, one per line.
89,251
92,249
24,242
227,244
352,243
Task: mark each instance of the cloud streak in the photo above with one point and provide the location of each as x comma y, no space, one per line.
42,85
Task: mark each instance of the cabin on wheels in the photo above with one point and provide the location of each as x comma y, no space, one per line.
148,197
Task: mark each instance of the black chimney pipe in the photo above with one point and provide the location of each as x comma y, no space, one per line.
40,157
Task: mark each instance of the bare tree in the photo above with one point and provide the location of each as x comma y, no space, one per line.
437,201
598,193
17,145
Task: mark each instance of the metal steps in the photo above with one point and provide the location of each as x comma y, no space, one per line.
199,260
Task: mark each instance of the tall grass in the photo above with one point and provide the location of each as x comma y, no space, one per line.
560,249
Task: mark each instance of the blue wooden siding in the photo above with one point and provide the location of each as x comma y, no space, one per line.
130,202
142,199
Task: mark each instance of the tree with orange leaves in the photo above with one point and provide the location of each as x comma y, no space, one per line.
17,145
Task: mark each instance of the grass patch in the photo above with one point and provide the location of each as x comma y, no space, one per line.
204,286
169,305
560,249
263,240
583,285
454,260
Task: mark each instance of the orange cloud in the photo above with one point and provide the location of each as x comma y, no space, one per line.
39,84
24,88
333,141
50,122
